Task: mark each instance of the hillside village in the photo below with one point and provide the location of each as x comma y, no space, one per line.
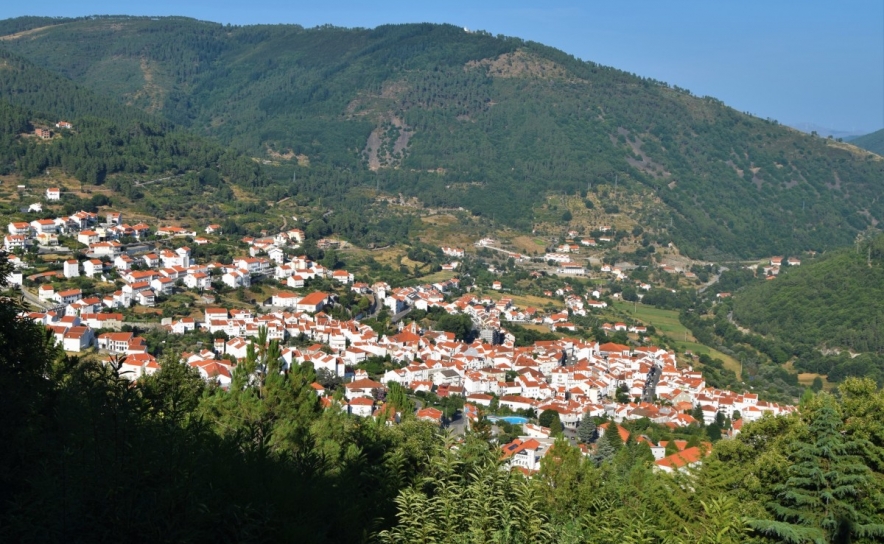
570,376
457,286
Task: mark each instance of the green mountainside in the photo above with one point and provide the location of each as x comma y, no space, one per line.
834,302
873,142
470,120
116,146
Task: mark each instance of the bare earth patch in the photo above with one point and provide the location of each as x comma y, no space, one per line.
520,64
154,92
303,160
837,184
386,145
24,33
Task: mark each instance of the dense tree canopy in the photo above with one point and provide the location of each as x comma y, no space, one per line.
835,302
471,120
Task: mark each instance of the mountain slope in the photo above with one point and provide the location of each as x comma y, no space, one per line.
835,302
112,144
487,123
873,142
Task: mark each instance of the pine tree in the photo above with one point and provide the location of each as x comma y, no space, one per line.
604,448
481,427
613,436
829,488
586,430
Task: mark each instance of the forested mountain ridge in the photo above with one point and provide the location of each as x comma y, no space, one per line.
831,304
873,142
468,119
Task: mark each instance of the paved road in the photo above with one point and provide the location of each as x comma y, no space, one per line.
400,315
712,281
143,183
53,250
458,424
35,301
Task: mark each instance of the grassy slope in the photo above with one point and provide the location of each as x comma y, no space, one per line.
873,142
666,322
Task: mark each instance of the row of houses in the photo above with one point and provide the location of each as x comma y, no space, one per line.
526,452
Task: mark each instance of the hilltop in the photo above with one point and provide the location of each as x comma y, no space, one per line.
466,119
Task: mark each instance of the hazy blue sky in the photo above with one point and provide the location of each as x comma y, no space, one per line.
805,61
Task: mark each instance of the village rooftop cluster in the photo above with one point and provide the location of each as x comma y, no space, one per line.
570,376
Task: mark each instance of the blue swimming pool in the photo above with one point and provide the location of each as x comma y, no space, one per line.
512,420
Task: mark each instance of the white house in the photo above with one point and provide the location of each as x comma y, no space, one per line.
198,280
342,276
312,303
71,268
14,241
276,255
88,237
92,267
184,325
163,286
145,298
362,406
44,226
77,339
285,299
68,296
236,278
111,249
524,454
20,228
46,292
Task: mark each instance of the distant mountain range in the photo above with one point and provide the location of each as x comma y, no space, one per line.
466,119
809,128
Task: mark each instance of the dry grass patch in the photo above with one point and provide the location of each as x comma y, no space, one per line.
443,219
389,256
526,301
529,244
442,275
538,328
806,379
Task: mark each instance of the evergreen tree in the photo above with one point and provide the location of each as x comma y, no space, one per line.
604,449
613,435
826,497
174,390
474,501
481,428
586,430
